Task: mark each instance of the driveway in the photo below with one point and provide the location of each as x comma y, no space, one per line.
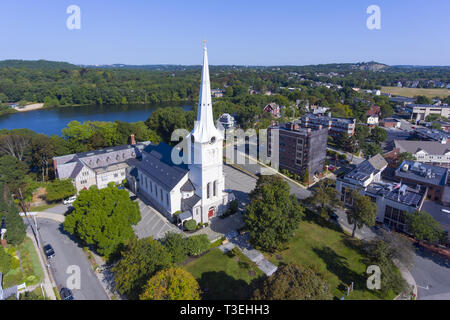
68,253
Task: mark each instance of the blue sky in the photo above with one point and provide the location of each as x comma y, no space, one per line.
245,32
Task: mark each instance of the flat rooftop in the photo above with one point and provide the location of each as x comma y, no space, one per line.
422,173
404,194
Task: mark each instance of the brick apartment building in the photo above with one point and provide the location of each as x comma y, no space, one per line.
335,125
300,149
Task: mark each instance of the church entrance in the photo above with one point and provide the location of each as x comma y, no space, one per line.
211,212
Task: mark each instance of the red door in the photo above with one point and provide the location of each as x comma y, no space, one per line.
210,213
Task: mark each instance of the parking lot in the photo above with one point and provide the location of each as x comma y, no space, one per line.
152,223
440,216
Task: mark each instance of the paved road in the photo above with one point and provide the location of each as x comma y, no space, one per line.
435,210
67,253
432,275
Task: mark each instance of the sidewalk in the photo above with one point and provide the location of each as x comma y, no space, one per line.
48,282
241,242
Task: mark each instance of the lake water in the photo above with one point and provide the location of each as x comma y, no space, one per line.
52,121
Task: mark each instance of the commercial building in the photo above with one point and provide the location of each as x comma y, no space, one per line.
393,200
390,123
300,149
335,125
433,177
431,135
422,111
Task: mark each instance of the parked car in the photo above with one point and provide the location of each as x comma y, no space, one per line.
70,200
121,187
445,210
66,294
49,252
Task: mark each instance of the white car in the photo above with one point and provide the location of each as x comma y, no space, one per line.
70,200
445,210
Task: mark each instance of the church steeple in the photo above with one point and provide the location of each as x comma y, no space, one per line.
204,128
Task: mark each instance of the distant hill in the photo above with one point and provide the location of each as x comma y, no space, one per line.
36,64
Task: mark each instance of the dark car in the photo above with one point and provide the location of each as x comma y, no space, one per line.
334,216
66,294
49,252
121,187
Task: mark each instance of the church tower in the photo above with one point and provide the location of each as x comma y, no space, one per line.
206,151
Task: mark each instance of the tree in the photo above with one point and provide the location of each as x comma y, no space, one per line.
405,156
175,244
362,212
165,120
370,149
103,218
60,189
325,195
381,253
423,226
15,228
361,134
294,282
171,284
197,244
273,213
140,261
378,135
42,151
12,173
423,100
15,144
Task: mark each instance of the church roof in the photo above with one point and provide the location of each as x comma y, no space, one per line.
188,186
158,165
189,203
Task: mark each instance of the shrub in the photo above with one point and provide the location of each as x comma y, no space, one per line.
190,225
5,261
196,245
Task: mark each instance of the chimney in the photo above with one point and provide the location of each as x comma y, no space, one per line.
132,139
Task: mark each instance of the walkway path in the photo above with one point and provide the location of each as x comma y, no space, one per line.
241,241
48,282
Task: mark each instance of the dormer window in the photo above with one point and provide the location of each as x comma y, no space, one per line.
213,140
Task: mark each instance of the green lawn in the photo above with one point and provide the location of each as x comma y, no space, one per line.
335,253
28,270
223,277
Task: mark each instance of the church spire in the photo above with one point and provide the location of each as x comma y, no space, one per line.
204,128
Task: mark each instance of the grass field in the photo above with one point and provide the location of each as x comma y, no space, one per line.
336,254
412,92
221,276
28,269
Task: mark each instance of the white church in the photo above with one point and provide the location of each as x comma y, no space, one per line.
192,190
